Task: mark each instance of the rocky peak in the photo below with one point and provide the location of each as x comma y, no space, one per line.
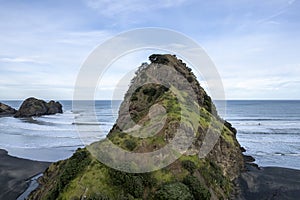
158,103
154,84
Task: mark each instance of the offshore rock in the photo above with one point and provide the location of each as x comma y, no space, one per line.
36,107
6,110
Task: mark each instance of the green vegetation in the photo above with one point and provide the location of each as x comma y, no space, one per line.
74,166
174,191
96,196
214,176
189,165
130,144
132,184
196,188
189,177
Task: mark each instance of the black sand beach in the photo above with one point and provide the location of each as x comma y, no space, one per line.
15,173
269,183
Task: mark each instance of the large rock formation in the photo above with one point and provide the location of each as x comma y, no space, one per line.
141,127
6,110
36,107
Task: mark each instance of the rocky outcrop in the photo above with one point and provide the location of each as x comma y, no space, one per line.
36,107
6,110
142,127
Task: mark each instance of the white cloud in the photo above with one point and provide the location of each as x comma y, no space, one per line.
54,70
254,44
115,8
30,59
257,66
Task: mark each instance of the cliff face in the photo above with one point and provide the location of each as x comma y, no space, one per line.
157,105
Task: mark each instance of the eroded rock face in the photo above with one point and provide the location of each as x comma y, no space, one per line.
6,110
36,107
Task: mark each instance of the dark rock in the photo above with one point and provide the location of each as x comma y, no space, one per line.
6,110
243,149
54,107
253,165
248,159
36,107
160,59
229,126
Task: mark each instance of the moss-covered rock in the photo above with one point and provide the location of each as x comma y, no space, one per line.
176,105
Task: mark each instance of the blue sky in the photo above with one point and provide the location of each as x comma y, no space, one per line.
255,45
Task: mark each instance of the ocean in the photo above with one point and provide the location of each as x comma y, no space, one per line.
269,130
55,137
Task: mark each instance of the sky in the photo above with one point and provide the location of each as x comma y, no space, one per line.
254,44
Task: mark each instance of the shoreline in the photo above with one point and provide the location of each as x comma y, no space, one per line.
267,182
16,173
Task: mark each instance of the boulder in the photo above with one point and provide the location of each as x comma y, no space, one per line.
6,110
36,107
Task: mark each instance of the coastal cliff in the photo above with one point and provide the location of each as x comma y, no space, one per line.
186,107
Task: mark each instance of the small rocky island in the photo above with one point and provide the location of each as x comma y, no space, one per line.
36,107
31,107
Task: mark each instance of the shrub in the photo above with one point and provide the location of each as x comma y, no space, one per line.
131,184
149,91
134,186
198,191
156,58
74,165
130,144
189,165
190,79
214,176
71,168
174,191
208,103
134,98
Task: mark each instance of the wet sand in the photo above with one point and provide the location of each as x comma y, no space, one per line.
269,183
15,174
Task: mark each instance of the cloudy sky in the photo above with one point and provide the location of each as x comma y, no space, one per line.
255,45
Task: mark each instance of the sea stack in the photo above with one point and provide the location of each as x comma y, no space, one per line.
191,176
36,107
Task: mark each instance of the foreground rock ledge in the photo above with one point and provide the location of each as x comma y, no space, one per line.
36,107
